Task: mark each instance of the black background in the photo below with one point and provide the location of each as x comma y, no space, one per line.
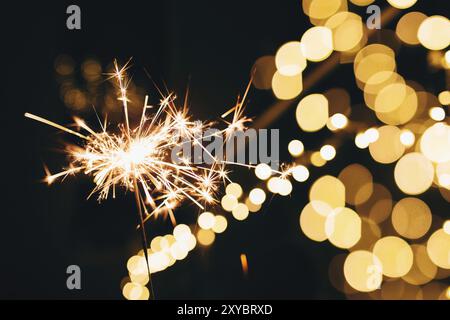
214,44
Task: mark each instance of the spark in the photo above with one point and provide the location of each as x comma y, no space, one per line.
139,159
244,263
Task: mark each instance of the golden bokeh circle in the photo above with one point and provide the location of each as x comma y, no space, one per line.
329,190
312,220
312,112
434,33
395,255
263,71
317,43
411,218
438,248
347,29
435,143
363,271
414,173
343,228
286,87
358,182
388,148
408,26
402,4
423,269
289,59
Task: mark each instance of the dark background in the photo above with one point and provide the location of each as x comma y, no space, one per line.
214,44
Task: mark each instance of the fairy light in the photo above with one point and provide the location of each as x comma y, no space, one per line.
407,138
327,152
296,148
339,121
437,113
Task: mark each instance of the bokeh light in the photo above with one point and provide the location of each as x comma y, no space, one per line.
205,237
317,160
402,4
411,218
220,224
408,26
407,138
444,96
435,143
388,147
347,29
395,254
300,173
312,220
423,269
229,202
263,71
343,228
379,205
312,112
206,220
286,87
339,121
434,33
438,248
263,171
437,113
327,152
296,148
414,173
363,271
329,190
289,59
317,43
240,212
358,183
234,189
257,196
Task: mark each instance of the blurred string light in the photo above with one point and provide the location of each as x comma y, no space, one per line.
411,218
381,264
164,251
338,121
312,112
408,26
263,171
289,59
444,96
446,227
317,160
205,237
257,196
206,220
433,33
327,152
240,212
407,138
402,4
437,113
296,148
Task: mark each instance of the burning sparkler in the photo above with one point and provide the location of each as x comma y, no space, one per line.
140,159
